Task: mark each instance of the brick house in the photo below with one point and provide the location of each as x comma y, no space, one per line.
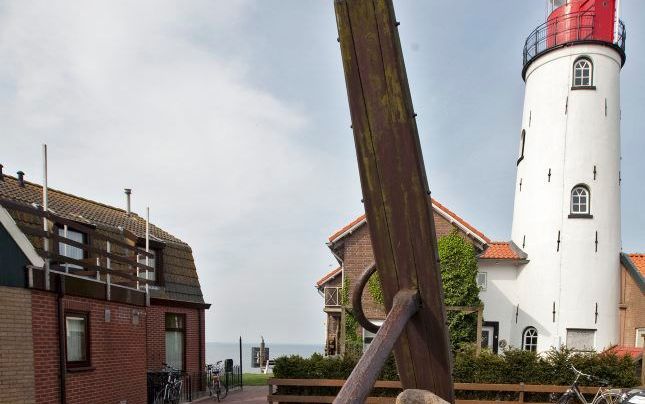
498,266
77,323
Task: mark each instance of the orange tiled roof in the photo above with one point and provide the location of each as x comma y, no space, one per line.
639,262
329,276
501,250
359,220
634,352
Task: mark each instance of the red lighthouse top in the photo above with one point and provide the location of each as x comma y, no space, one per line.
576,21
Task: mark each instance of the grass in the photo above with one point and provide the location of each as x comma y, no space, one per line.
255,379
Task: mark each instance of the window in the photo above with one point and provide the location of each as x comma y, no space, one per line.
530,339
482,278
368,336
580,200
580,340
582,73
175,339
71,251
522,144
77,336
152,262
640,338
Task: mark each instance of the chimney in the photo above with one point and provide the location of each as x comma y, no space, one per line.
128,192
1,174
21,179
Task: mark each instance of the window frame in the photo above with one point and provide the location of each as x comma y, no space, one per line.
532,347
485,283
158,249
590,85
580,215
183,330
58,228
640,341
87,363
522,146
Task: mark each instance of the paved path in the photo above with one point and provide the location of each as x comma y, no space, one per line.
250,395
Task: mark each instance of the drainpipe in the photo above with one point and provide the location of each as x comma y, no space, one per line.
61,339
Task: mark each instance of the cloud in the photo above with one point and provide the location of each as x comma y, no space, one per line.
141,94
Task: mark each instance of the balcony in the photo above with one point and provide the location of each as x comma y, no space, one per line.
570,28
333,297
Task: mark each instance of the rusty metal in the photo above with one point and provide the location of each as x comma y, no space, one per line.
395,191
357,300
358,386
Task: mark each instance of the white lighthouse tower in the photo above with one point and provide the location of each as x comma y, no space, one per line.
567,198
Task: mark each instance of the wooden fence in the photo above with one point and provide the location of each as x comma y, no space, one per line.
519,390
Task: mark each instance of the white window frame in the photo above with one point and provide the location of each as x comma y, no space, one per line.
338,296
369,334
533,343
640,333
484,284
577,205
586,72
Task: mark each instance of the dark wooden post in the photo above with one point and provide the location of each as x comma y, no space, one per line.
395,187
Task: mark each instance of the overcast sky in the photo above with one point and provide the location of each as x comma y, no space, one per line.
230,119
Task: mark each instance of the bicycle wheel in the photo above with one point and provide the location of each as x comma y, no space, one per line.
224,392
218,391
609,397
565,399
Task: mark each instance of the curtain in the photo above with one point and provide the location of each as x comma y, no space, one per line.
175,349
75,339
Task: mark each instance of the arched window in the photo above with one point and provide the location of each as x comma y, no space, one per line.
522,145
580,200
583,73
530,339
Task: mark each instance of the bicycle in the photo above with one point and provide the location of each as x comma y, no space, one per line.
171,391
604,395
215,386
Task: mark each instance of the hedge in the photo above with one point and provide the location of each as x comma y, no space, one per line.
511,367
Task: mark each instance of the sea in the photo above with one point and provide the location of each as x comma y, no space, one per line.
216,351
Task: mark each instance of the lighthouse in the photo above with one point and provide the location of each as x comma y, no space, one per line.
567,198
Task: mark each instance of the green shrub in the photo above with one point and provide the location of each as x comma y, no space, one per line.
511,367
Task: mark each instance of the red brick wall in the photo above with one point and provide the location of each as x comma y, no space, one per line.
157,337
632,313
117,355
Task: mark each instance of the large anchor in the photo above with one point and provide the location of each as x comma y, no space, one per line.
397,205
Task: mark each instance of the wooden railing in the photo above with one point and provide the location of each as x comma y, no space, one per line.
108,259
517,390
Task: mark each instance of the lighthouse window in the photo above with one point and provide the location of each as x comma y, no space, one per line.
582,73
580,200
530,339
522,144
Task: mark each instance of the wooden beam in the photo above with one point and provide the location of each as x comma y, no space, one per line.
395,187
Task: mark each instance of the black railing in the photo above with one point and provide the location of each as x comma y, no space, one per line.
194,384
569,28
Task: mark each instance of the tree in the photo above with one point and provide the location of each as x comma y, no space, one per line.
459,279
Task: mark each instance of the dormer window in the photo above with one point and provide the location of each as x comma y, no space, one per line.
151,262
583,74
71,251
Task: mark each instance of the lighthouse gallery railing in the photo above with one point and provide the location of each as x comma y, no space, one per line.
569,28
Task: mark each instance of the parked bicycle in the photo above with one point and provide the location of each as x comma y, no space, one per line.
604,395
170,393
215,386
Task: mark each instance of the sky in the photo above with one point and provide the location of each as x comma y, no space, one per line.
230,120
